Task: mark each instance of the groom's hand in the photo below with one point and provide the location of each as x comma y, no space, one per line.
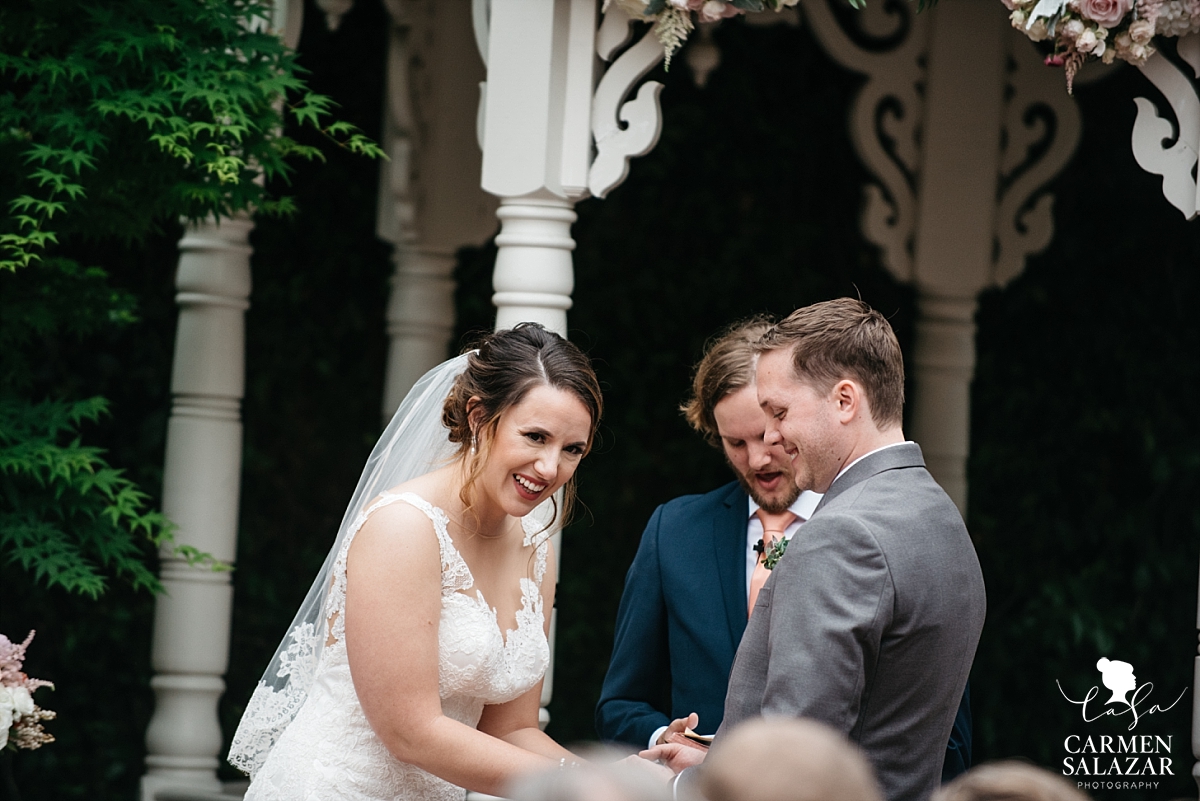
676,756
674,731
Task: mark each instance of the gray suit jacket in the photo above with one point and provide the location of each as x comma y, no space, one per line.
870,621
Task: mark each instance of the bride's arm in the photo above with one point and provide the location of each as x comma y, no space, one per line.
393,605
517,721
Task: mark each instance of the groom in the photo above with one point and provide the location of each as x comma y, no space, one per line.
869,622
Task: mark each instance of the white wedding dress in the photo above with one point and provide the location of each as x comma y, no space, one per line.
329,750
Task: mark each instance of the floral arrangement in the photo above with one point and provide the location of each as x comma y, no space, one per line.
673,18
20,718
1103,29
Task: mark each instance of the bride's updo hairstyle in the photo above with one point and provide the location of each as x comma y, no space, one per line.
504,366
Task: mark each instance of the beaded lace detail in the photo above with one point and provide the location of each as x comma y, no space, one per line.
329,751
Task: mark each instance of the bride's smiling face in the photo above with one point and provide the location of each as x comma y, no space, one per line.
536,448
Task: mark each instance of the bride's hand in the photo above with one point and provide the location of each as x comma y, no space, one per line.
676,756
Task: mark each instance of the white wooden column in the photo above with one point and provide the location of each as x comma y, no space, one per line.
430,201
536,149
541,113
201,480
1196,705
962,127
1169,148
956,215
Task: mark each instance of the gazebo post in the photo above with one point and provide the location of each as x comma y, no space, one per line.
201,482
537,150
430,201
202,475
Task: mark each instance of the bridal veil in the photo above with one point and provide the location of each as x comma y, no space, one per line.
414,443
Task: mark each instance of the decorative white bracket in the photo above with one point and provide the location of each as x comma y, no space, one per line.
1176,162
1041,131
642,116
888,44
885,120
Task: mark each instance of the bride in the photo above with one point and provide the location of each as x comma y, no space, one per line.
414,667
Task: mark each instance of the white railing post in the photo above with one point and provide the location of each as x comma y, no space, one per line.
201,482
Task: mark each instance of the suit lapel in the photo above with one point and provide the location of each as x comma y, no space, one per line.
729,546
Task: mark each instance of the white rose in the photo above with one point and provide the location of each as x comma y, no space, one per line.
7,714
1018,19
1072,29
1141,31
712,11
1085,42
1038,30
1137,51
1099,50
1123,40
22,701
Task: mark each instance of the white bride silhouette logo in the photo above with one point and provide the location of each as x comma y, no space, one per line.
1118,677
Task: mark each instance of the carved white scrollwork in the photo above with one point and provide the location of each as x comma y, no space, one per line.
1152,134
885,45
1042,129
623,130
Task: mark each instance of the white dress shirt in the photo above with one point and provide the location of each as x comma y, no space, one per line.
865,455
802,508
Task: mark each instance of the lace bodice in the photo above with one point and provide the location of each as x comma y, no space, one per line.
329,750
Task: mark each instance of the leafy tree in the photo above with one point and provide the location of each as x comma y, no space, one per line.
116,119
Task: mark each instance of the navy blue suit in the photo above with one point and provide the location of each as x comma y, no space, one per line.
682,615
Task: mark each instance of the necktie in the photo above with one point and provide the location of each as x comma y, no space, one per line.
773,527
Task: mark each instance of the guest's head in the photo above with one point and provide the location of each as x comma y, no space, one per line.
831,378
1009,781
724,409
523,413
786,759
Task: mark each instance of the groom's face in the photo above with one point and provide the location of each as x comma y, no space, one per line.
800,419
764,471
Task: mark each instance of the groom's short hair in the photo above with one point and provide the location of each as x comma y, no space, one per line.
845,338
727,366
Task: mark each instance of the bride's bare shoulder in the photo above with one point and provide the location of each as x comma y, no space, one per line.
396,529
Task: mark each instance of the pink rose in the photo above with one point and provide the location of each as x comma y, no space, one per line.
1105,12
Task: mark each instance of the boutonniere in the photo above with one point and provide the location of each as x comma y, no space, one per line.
774,552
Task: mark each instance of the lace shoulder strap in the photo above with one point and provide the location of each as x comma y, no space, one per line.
456,576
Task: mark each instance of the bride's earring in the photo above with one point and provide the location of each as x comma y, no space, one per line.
472,443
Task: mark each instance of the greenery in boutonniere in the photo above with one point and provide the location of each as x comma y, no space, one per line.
774,552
